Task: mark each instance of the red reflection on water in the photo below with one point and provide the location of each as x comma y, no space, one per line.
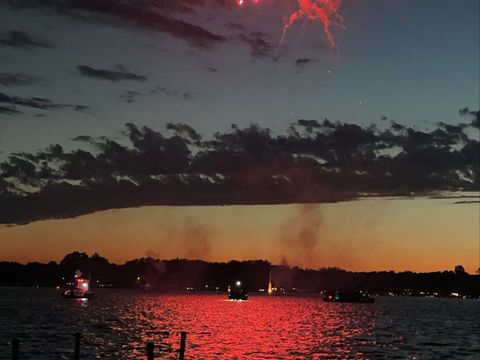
263,327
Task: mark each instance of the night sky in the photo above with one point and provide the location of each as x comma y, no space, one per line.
73,73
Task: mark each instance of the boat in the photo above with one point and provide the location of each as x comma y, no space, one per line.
237,292
80,289
348,297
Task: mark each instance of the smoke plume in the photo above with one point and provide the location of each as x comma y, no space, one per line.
195,239
301,235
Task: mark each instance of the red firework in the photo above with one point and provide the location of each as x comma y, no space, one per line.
324,10
327,11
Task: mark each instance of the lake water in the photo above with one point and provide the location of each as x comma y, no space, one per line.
116,324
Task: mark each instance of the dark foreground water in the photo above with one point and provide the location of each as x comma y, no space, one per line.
117,324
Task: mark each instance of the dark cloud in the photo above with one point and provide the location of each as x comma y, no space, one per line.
453,129
212,69
185,95
118,73
16,79
191,5
476,121
397,127
235,26
83,138
310,125
36,103
129,96
9,110
81,108
313,162
22,40
260,46
474,114
186,132
150,15
301,63
33,102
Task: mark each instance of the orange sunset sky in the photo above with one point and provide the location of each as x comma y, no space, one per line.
364,235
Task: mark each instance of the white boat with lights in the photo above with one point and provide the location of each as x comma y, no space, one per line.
80,289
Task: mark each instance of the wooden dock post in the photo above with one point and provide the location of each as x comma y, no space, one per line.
15,349
183,340
150,349
76,353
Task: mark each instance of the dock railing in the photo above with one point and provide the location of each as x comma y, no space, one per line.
150,348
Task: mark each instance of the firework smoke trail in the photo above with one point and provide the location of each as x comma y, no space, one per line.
324,10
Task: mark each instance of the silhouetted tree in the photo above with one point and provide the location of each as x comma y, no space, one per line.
459,270
73,262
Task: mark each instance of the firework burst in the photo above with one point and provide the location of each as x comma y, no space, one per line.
326,11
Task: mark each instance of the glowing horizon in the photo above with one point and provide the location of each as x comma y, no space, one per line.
382,235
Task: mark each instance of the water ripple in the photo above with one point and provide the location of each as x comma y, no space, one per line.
117,324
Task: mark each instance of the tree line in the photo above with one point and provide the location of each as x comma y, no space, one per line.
180,274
